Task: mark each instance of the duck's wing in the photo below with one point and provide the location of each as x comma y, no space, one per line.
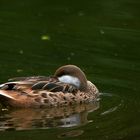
25,84
54,87
31,78
28,93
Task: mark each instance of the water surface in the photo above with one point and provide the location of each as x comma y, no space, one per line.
101,37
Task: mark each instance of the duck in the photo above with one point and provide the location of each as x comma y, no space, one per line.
67,86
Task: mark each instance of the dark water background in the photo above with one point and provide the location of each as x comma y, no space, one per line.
100,36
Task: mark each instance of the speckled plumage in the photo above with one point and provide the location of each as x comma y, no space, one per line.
41,91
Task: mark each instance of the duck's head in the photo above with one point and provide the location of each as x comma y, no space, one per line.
72,74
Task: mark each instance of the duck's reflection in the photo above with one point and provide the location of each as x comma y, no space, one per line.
22,119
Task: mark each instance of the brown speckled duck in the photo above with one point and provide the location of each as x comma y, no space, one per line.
67,86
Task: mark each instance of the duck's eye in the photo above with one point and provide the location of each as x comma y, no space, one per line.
70,80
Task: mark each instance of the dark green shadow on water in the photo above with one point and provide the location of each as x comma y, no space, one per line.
102,37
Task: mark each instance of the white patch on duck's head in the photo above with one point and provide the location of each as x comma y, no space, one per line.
70,80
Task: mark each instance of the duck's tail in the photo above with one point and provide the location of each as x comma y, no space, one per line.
5,97
4,94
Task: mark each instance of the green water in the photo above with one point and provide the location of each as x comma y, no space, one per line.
101,37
